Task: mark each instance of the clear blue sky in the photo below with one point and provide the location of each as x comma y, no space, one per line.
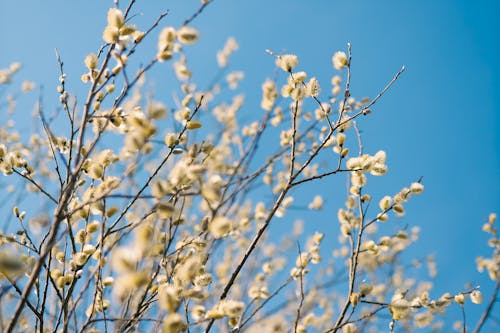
439,121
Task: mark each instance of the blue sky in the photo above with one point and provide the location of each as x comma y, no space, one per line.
439,121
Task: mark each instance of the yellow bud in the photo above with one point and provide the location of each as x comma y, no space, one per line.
60,256
111,211
111,35
168,297
187,35
68,279
165,210
476,297
99,96
340,60
382,217
117,69
341,139
365,289
96,171
127,30
167,35
193,124
108,281
55,274
89,249
110,88
91,61
459,298
116,121
115,18
416,188
220,226
60,282
354,299
80,236
301,260
92,227
80,258
173,323
399,209
137,36
345,228
385,203
3,150
287,62
164,55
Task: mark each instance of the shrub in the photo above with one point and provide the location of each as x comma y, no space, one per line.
141,213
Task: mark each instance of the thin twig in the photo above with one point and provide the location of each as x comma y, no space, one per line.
198,12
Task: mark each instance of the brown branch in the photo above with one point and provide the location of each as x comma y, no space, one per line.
301,283
488,310
249,250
